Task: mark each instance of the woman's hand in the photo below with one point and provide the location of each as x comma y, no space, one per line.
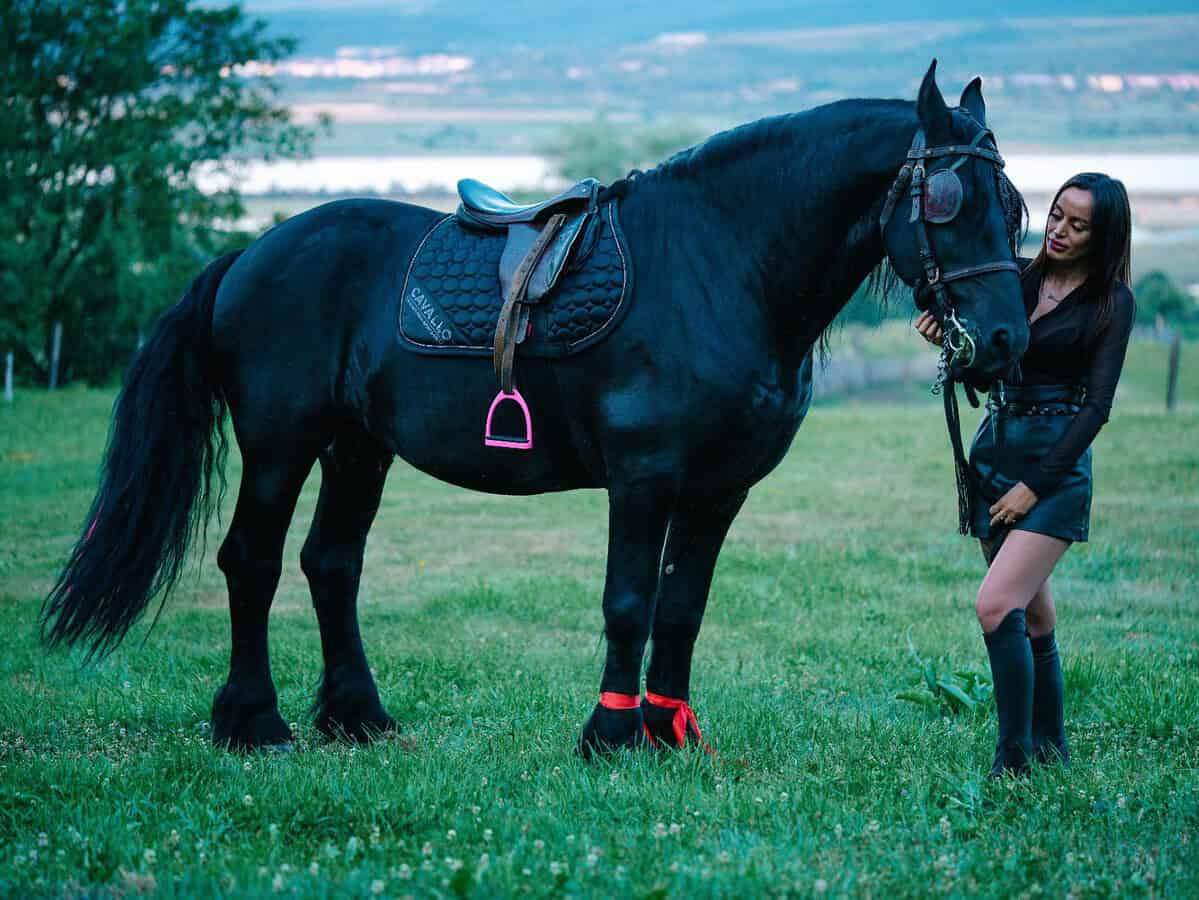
1013,506
927,325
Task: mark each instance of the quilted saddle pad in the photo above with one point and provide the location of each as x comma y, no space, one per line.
451,301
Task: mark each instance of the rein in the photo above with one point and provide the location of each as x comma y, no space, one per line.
937,199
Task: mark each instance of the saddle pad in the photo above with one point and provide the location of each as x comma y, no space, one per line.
451,301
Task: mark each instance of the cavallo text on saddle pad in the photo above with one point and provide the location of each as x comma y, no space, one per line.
427,314
451,301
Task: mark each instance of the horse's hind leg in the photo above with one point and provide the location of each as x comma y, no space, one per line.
696,536
353,470
245,713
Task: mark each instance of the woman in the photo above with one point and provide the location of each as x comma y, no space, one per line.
1031,457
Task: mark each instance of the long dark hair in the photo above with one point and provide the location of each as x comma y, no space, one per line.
1109,260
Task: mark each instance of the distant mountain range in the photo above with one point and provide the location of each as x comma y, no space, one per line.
482,76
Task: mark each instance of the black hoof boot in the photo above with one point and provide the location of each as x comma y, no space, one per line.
611,729
248,719
347,708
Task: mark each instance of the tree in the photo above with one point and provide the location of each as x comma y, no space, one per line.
600,149
1157,296
110,108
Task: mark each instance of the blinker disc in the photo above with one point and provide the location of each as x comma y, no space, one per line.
942,197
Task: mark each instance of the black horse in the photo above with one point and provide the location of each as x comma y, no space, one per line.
745,247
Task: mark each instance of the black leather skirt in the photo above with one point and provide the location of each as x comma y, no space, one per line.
1021,426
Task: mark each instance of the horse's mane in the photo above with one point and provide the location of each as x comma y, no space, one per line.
831,119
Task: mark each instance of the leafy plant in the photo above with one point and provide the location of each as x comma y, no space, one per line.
955,692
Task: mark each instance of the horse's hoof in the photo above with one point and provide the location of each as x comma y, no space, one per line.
610,729
357,731
348,708
662,722
242,723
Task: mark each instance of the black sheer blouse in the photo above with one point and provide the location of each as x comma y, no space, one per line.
1070,345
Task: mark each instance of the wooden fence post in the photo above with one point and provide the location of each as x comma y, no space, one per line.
8,377
1172,374
55,349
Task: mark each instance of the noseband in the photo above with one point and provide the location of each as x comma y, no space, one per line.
937,198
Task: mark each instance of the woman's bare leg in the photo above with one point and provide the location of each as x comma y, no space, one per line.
1016,575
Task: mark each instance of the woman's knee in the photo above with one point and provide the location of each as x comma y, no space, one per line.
992,606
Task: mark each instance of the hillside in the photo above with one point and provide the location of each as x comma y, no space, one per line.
439,76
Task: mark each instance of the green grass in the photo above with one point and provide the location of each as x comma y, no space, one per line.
824,781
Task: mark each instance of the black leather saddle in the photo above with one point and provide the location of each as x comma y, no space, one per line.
540,238
486,207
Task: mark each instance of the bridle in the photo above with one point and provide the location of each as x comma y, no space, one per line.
937,199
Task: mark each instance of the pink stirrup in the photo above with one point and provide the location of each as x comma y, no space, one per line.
508,442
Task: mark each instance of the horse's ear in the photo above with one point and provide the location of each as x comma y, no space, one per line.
972,101
930,106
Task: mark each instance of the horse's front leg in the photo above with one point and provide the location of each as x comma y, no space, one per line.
696,536
638,513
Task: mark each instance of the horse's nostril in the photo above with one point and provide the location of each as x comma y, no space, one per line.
1002,339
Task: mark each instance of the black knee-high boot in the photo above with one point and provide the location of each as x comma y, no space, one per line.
1012,676
1048,724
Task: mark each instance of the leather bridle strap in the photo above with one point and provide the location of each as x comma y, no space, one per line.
981,269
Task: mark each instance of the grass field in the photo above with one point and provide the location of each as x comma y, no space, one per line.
824,782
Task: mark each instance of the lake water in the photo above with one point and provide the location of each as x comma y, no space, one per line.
1164,173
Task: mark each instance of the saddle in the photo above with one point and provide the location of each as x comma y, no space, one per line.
539,241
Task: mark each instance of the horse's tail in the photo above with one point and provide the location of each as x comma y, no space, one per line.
165,442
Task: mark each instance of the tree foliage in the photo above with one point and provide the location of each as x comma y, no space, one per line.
111,108
1157,296
607,151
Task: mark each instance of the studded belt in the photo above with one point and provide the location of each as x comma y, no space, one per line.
1035,399
1035,409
